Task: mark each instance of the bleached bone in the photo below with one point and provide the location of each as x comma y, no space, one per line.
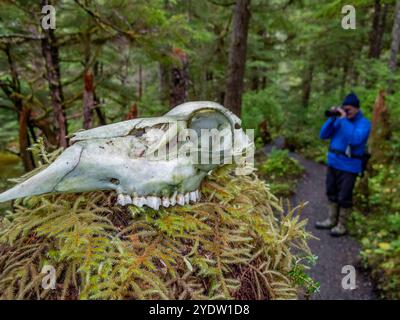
117,157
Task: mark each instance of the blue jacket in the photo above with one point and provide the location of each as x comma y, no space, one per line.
346,133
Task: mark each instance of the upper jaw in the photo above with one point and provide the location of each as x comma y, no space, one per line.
156,202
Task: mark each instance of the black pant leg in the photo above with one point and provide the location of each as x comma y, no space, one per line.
332,187
346,182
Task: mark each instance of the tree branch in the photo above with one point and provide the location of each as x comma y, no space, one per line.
228,4
101,21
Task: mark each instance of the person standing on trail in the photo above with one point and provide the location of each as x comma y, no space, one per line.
348,131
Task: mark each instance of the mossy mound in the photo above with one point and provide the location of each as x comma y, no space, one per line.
235,244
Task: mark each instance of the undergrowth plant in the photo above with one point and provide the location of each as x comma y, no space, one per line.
281,172
237,243
376,224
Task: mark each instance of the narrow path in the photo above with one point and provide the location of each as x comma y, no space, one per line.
333,253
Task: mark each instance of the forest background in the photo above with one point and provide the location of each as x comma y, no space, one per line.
279,64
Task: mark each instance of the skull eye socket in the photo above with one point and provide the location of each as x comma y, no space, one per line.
114,181
238,126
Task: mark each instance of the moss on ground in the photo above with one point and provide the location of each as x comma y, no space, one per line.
237,243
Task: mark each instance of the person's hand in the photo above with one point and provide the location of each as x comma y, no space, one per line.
343,113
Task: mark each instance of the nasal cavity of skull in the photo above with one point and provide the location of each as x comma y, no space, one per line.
140,132
137,132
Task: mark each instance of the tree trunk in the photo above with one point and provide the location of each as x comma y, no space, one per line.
99,112
307,85
140,84
378,24
255,81
344,78
164,74
51,57
237,56
88,87
133,112
24,141
263,82
180,78
394,49
13,92
47,129
380,131
88,100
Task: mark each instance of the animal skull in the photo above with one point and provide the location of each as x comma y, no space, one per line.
122,157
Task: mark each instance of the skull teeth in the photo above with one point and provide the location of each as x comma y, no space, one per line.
124,200
165,202
193,196
187,198
180,199
153,202
156,202
173,199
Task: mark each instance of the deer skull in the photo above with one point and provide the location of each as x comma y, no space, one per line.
143,160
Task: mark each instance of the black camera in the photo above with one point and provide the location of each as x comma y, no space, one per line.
333,113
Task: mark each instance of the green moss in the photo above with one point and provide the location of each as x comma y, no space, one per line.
236,243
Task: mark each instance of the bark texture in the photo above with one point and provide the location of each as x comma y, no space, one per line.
307,84
52,62
378,27
88,100
394,48
380,132
237,56
179,78
12,90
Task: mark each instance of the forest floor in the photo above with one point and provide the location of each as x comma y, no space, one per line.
332,253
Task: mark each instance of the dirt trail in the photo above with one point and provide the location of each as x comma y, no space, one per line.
333,253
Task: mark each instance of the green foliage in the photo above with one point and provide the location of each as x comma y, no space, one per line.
280,164
379,235
384,189
379,231
10,166
259,106
281,171
305,142
301,278
236,243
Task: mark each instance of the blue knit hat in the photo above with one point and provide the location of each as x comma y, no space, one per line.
352,100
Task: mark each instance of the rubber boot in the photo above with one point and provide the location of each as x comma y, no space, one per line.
331,221
340,229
